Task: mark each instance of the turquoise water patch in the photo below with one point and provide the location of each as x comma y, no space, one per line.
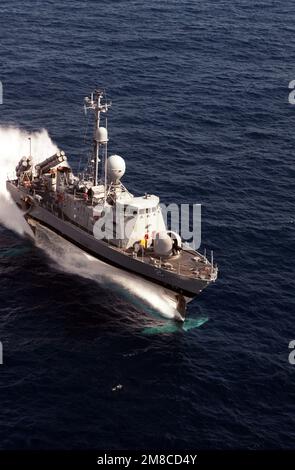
13,252
170,326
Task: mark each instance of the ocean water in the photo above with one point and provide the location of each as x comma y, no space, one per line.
201,114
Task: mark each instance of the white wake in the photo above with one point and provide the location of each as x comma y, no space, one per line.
69,258
14,144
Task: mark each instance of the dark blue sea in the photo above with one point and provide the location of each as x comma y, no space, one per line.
201,115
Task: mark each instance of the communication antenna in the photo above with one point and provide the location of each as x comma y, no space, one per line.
106,166
98,103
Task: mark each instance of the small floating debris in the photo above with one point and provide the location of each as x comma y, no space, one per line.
116,388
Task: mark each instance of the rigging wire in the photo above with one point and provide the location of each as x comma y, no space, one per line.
84,142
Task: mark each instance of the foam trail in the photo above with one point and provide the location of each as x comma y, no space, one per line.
69,258
14,144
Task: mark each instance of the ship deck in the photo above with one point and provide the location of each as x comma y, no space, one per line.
188,263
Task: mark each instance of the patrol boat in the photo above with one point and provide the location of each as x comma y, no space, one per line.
97,213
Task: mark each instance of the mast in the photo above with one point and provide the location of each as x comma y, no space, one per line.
98,103
106,165
30,144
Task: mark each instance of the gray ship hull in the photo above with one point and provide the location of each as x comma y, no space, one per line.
182,285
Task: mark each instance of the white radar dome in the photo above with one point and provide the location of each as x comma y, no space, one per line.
116,168
163,244
102,135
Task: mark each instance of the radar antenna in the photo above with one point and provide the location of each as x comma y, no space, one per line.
98,103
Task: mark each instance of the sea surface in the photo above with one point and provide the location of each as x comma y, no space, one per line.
201,115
